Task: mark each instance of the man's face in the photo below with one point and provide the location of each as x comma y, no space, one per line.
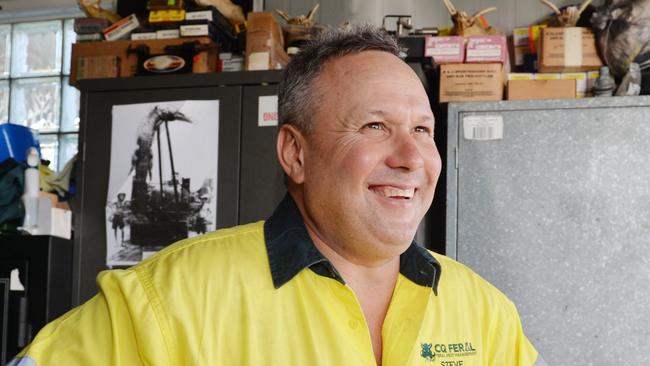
370,162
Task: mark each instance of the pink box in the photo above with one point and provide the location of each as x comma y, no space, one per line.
445,50
492,48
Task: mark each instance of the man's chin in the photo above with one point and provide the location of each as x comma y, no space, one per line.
396,240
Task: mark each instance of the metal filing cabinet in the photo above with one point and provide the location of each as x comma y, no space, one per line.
556,214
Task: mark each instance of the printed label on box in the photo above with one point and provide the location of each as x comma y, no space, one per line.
168,34
143,36
267,111
194,30
199,15
521,76
490,48
445,49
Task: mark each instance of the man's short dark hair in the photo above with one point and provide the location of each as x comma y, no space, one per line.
297,96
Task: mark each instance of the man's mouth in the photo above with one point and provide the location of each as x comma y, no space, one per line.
393,192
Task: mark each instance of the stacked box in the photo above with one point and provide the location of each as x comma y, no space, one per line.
471,82
264,43
521,76
90,29
568,49
445,50
580,80
591,79
541,89
204,61
121,29
487,49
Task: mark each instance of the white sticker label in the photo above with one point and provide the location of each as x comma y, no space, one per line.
14,281
267,111
483,128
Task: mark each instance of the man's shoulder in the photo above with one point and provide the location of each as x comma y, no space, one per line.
463,282
217,248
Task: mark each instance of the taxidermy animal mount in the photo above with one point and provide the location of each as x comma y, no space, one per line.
465,25
232,12
302,20
568,17
622,29
93,10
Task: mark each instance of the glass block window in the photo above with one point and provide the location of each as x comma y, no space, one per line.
34,90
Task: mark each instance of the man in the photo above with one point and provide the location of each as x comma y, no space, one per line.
119,211
333,277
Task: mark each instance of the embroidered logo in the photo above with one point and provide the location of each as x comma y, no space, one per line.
426,352
450,354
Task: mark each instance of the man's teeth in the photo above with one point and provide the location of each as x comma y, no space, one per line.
394,192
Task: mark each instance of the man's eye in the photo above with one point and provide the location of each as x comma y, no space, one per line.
374,125
422,129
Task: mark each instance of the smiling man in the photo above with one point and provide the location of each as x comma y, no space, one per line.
333,277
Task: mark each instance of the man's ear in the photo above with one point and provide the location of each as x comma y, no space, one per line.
290,147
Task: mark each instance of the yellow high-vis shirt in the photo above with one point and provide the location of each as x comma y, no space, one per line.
261,294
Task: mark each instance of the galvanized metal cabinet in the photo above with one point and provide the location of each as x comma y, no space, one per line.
556,214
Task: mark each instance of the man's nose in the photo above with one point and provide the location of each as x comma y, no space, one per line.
406,153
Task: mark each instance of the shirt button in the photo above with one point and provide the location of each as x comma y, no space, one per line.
353,323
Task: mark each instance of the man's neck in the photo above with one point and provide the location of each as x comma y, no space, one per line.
373,283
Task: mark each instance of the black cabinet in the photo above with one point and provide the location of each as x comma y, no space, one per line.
40,269
250,181
261,180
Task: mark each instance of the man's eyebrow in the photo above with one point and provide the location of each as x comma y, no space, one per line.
383,113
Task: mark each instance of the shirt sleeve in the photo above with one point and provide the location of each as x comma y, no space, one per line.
508,343
119,326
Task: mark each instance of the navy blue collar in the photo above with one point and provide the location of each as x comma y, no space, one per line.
291,249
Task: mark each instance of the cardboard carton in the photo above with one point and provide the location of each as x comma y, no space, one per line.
264,43
445,50
591,79
541,89
521,76
548,76
115,52
97,67
581,82
568,49
121,29
487,49
471,82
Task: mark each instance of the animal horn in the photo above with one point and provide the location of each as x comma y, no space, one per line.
584,6
552,6
450,7
312,12
284,15
481,13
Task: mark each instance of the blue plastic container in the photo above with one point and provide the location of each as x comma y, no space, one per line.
15,140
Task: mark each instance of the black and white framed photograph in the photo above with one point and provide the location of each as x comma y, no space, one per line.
163,176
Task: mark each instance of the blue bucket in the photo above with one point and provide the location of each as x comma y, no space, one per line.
15,140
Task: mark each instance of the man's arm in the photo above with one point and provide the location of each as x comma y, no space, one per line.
116,327
508,343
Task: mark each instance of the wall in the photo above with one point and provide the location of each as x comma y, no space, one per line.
26,10
509,13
